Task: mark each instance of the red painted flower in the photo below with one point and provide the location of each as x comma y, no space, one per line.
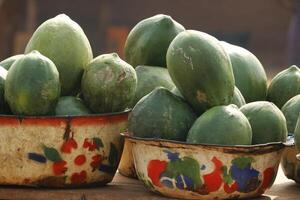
230,188
96,161
268,179
155,168
90,145
68,145
213,181
80,160
59,167
78,178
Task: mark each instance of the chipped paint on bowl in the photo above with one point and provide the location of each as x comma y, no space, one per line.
67,151
289,163
190,171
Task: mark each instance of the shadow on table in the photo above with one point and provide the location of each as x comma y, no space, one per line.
285,191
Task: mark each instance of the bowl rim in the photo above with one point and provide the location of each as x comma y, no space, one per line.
92,115
255,149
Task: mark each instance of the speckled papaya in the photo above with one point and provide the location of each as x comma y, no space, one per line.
201,70
108,84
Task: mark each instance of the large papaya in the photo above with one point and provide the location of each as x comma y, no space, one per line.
284,86
148,41
225,125
267,122
148,78
201,70
249,74
108,84
64,42
291,110
32,85
161,114
7,63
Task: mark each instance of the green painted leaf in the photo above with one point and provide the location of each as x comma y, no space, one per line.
98,142
186,166
113,155
226,176
242,162
51,154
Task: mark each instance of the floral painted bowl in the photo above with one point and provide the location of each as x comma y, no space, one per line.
67,151
289,163
190,171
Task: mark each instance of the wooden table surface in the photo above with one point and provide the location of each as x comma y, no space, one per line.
125,188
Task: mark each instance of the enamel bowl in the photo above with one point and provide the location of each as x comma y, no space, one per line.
126,166
67,151
289,163
189,171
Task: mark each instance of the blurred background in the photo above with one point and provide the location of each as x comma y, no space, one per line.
270,29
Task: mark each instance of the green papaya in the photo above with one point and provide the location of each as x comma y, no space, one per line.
3,104
238,98
32,85
148,41
7,63
148,78
297,135
161,114
267,122
64,42
108,84
284,86
225,125
201,70
69,105
291,110
249,74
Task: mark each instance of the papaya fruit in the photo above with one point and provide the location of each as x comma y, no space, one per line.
297,135
249,74
267,122
284,86
148,78
108,84
32,85
70,105
64,42
161,114
3,104
238,98
201,70
291,110
6,64
148,41
225,125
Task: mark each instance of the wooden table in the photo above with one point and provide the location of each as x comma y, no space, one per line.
125,188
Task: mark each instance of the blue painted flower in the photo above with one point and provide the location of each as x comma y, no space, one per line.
245,176
172,155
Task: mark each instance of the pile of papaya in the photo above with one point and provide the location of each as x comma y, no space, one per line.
182,85
57,75
191,87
